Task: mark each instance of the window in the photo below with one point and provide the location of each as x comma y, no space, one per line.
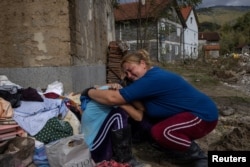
191,20
126,25
178,31
176,50
163,26
129,47
170,47
163,49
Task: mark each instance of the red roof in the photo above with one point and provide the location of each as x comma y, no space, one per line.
240,46
129,11
185,11
211,47
209,36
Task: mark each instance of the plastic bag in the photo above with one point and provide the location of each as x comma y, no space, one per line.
69,152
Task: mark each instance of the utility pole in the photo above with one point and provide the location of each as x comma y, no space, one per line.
139,38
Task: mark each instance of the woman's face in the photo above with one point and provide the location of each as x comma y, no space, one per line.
134,71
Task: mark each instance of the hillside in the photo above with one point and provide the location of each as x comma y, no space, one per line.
221,14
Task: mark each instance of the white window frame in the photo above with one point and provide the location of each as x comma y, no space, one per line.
176,50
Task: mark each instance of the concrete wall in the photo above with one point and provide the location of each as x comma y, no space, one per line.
43,41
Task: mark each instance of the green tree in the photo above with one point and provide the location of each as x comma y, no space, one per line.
235,34
227,43
242,26
208,26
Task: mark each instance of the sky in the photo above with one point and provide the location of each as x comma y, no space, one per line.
209,3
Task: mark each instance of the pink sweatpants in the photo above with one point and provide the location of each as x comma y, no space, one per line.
177,132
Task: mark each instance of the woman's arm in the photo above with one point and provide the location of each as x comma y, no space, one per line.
108,97
134,110
113,97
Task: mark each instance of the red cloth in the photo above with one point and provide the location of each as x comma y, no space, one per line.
51,95
112,163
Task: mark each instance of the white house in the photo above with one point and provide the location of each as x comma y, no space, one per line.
156,26
190,44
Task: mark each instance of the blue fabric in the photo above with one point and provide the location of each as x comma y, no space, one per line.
93,117
84,100
165,94
32,116
40,158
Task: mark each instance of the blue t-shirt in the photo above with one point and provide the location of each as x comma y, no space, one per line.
165,94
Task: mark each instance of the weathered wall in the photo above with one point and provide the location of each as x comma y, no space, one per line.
94,26
46,40
34,33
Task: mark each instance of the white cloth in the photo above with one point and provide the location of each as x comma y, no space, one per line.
55,87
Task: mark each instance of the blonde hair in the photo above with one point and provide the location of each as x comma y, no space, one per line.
136,57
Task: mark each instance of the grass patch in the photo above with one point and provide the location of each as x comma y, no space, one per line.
220,15
197,74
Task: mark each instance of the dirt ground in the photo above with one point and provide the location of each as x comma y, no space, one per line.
231,133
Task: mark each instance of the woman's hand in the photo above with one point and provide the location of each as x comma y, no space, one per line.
114,86
134,110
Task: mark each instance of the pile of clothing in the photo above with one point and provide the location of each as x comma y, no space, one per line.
45,116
